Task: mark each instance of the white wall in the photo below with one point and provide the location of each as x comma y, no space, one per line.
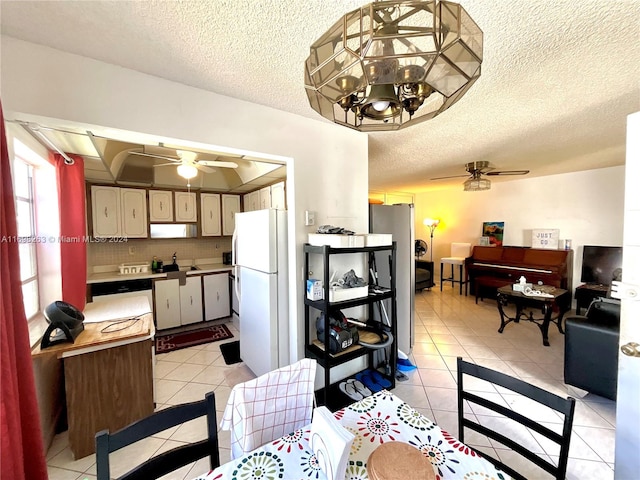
328,172
587,207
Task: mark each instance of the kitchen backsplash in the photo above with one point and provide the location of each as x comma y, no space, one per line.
143,250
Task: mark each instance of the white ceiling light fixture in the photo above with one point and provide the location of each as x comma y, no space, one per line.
391,64
187,170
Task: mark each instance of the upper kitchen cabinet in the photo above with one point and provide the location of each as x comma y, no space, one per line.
265,197
278,196
186,210
210,214
119,212
105,209
160,206
252,201
133,203
230,206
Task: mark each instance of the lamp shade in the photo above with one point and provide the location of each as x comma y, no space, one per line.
390,64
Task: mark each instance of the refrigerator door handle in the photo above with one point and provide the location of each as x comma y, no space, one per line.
236,271
234,246
236,282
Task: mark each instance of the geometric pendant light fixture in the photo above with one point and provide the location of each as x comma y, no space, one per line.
391,64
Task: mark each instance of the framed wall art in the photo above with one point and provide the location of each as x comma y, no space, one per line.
495,232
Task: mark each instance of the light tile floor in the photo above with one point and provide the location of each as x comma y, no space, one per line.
447,325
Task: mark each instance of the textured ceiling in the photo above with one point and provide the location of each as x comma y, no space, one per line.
558,77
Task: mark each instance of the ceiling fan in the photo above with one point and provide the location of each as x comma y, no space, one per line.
187,162
476,170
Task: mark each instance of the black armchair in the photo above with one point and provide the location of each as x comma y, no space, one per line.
591,348
424,275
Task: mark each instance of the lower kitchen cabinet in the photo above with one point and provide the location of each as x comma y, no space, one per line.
191,301
178,304
216,296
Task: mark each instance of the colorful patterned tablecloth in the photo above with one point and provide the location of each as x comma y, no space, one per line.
380,418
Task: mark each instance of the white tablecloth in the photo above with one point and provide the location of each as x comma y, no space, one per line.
382,417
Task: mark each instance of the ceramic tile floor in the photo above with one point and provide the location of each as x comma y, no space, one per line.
447,325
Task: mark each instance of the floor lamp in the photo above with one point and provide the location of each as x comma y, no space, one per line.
432,224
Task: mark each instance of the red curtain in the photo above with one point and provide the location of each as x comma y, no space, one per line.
22,452
73,230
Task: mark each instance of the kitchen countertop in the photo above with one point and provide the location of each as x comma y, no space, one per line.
115,276
98,318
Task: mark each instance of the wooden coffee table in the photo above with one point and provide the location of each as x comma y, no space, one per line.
559,302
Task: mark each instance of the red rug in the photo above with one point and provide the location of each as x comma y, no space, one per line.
176,341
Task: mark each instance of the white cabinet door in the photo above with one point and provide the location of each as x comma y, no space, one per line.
191,301
230,206
167,304
265,197
216,296
160,206
105,209
252,201
186,207
133,203
245,203
210,214
278,196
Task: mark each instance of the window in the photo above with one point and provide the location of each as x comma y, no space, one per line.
25,213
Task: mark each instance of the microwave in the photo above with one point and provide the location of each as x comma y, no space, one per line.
226,258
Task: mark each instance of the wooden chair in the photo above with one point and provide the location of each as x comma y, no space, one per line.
168,461
565,406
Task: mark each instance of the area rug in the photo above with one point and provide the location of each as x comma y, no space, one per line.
231,352
176,341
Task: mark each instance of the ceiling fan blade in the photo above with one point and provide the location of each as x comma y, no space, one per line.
176,160
203,168
217,163
172,164
451,176
508,172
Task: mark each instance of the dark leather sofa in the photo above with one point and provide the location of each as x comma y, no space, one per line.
591,348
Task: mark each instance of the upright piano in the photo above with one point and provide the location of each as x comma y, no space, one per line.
493,267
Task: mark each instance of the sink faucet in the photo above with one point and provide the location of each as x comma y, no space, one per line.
174,257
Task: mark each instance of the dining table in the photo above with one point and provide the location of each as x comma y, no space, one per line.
376,419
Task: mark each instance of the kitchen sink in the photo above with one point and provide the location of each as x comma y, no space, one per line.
188,269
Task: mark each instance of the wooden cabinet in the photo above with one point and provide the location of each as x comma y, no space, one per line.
119,212
105,208
178,304
278,196
265,197
185,209
191,301
160,206
251,201
133,204
167,304
210,214
230,206
216,296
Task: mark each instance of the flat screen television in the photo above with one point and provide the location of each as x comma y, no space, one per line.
601,265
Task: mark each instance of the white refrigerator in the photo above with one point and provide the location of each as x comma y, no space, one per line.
399,221
260,265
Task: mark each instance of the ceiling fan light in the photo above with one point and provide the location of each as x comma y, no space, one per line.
477,184
187,171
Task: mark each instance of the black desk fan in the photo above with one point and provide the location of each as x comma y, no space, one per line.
65,324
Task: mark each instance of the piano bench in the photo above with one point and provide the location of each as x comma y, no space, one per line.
488,284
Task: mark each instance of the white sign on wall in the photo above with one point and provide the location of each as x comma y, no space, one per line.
545,238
